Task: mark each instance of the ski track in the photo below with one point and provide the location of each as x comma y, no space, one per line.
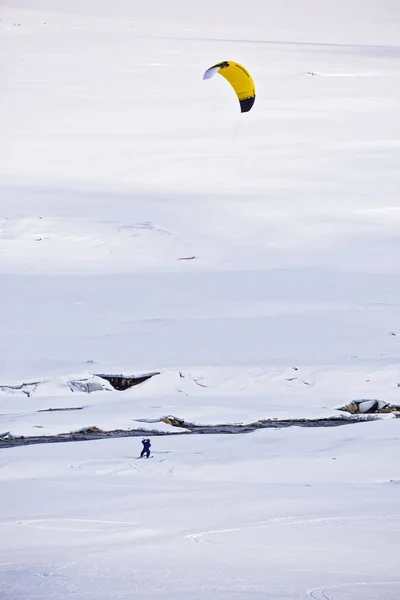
328,592
197,537
106,470
41,523
85,466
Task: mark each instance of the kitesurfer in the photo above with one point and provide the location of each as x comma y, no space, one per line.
146,448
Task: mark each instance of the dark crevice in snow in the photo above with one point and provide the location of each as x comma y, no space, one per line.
263,424
7,440
124,382
60,409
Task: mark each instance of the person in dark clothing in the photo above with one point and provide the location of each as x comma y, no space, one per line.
146,448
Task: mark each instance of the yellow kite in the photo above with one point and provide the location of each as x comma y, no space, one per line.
240,80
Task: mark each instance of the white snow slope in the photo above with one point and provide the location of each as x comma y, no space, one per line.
253,259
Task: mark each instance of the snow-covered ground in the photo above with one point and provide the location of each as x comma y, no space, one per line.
252,259
288,514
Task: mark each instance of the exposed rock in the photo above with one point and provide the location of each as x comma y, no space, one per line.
174,421
369,407
87,430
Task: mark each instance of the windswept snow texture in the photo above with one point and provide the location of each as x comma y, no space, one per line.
253,259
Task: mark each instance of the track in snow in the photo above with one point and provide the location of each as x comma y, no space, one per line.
364,590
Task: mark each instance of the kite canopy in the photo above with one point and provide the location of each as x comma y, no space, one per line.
240,80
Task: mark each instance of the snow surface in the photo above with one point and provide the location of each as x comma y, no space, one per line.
146,225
